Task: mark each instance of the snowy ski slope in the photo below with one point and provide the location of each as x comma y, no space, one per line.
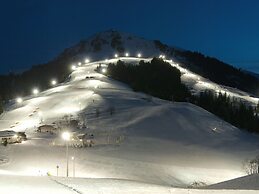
163,144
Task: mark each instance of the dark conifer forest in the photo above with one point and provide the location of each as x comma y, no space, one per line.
158,78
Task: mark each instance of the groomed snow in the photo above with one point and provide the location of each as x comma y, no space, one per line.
162,143
52,185
243,183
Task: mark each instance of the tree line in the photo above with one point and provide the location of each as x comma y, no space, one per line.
218,71
158,78
212,68
229,109
21,84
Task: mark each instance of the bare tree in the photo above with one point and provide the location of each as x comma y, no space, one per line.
252,166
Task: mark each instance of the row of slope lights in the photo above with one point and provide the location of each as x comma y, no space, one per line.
53,82
35,91
138,55
127,55
73,67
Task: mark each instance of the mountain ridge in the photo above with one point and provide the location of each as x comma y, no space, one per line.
106,44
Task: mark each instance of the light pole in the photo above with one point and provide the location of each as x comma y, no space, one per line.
66,137
35,91
73,159
57,169
104,70
19,100
73,67
53,82
80,106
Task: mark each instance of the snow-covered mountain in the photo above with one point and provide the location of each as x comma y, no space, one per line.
106,44
145,139
139,141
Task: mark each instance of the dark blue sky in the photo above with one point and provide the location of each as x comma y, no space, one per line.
35,31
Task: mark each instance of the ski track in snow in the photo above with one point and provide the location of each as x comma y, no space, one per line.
67,186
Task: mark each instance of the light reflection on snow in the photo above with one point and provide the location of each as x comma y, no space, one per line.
68,109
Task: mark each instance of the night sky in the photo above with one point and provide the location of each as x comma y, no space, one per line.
35,31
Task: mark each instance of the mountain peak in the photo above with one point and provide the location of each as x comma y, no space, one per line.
107,43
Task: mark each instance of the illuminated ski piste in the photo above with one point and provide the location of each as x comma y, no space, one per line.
165,144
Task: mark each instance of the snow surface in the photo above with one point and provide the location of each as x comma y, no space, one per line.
54,185
245,183
132,45
197,84
161,143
